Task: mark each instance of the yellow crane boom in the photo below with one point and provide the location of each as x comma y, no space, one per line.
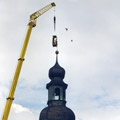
32,23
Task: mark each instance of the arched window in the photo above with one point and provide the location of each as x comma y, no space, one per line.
57,93
64,94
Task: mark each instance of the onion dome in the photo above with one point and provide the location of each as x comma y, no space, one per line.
56,70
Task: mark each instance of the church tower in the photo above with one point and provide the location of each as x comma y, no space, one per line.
56,109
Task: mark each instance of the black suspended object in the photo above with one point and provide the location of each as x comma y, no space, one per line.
54,41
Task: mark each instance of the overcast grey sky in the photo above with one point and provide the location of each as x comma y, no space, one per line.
91,61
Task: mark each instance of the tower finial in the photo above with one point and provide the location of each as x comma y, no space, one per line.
57,52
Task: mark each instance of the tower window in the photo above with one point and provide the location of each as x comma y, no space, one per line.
64,94
57,94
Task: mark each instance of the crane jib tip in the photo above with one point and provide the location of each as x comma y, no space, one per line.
53,4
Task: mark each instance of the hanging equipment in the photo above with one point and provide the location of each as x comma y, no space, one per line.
54,39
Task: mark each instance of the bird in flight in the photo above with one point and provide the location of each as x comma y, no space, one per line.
66,29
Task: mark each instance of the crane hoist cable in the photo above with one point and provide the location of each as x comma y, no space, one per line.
31,24
54,23
54,39
54,20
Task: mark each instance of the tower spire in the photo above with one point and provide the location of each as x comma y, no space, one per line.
56,52
56,109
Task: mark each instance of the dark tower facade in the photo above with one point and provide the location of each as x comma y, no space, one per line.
56,109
